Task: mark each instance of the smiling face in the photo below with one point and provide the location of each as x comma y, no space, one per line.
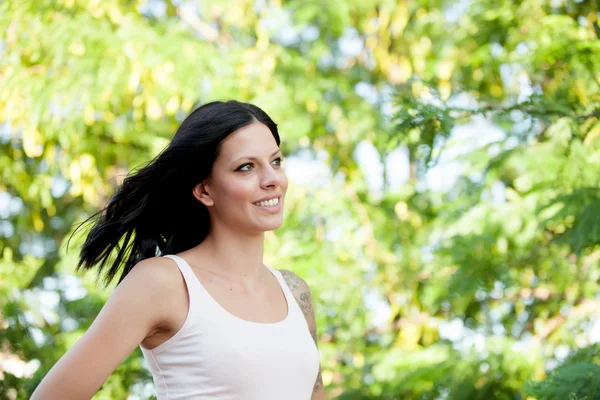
247,185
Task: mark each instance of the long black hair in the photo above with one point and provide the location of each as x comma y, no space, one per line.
154,211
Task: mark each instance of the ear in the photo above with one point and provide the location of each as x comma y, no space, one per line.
201,194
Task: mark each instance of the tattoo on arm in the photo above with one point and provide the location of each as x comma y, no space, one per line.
306,306
319,382
304,300
293,281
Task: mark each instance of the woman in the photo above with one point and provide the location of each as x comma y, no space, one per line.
212,320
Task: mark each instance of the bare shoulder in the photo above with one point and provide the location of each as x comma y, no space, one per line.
294,282
158,272
154,281
150,278
301,292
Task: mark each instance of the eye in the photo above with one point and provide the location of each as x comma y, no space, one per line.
245,167
277,161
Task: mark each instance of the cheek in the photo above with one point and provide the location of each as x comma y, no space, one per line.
283,182
238,189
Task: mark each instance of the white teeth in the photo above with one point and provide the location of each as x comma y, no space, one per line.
268,203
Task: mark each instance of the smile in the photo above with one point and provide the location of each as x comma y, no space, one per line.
268,203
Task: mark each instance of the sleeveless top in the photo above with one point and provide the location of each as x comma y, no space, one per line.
217,355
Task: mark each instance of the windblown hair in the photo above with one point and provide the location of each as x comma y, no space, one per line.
154,211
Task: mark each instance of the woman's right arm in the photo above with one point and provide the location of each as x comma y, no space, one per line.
137,307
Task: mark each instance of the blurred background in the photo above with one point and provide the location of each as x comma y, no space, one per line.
444,165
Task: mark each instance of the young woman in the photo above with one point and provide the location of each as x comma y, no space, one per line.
212,320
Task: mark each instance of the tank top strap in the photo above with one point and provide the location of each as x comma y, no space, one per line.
293,306
188,275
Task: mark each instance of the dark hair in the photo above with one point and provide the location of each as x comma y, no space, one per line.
154,211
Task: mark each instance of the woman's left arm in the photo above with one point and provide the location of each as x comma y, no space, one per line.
303,297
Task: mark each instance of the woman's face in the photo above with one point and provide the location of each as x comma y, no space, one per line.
247,186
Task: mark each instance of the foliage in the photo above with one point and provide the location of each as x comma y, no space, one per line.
484,258
578,381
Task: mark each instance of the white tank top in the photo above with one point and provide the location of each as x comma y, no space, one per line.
216,355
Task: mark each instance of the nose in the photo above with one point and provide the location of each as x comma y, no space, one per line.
270,179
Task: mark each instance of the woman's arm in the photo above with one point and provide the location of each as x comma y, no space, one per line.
303,297
132,312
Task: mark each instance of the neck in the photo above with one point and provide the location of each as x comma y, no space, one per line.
233,253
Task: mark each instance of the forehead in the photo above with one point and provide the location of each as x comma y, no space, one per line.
252,140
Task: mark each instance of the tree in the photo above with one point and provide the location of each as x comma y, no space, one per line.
486,282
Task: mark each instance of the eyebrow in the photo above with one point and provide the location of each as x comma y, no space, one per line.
254,158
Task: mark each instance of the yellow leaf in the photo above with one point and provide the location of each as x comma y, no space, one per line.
358,360
371,43
415,220
401,209
137,101
445,89
153,109
88,115
400,71
97,13
77,48
133,82
430,335
425,45
417,87
75,190
187,104
115,15
444,69
312,106
86,161
108,116
75,172
593,134
496,90
38,224
32,142
400,19
502,245
172,105
409,335
262,37
327,376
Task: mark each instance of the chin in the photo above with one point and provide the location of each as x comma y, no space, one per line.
266,226
271,227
